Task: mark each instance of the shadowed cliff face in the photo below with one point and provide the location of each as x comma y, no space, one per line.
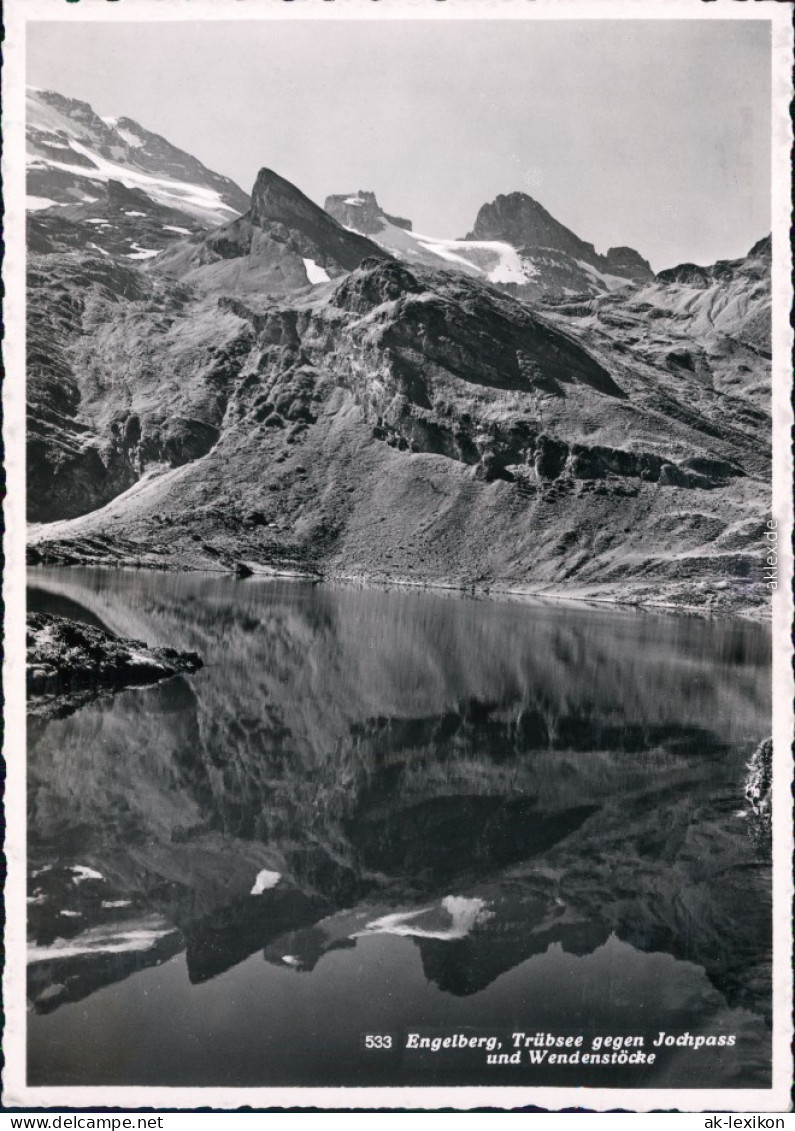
275,201
488,780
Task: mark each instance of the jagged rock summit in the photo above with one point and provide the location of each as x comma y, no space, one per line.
275,200
362,212
521,221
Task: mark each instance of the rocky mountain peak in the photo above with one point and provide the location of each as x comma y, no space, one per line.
520,220
275,200
632,260
283,243
762,249
362,212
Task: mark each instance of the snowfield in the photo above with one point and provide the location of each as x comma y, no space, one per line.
493,261
62,133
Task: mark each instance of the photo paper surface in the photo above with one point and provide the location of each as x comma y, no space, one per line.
398,590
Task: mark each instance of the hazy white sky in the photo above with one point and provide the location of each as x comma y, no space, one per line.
654,134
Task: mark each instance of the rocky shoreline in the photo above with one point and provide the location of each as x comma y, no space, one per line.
749,601
759,794
69,664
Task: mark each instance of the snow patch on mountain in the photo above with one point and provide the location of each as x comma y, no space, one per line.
142,252
69,147
131,138
204,203
265,880
611,282
489,260
315,273
101,940
36,203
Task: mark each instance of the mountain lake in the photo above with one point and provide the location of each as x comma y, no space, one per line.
378,820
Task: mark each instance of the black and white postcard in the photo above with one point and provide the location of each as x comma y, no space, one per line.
398,589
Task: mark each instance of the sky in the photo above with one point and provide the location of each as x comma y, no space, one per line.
649,133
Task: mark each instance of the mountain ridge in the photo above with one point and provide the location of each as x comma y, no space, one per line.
549,261
59,127
79,166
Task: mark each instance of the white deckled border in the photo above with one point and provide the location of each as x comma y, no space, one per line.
16,1093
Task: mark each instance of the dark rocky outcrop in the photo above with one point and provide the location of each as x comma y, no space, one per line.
759,793
69,663
625,260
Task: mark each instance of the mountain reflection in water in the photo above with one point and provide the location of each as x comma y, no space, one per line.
420,810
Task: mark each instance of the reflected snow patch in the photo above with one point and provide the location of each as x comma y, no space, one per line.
265,880
453,919
138,936
81,873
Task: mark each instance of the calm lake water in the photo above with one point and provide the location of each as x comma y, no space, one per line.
395,813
